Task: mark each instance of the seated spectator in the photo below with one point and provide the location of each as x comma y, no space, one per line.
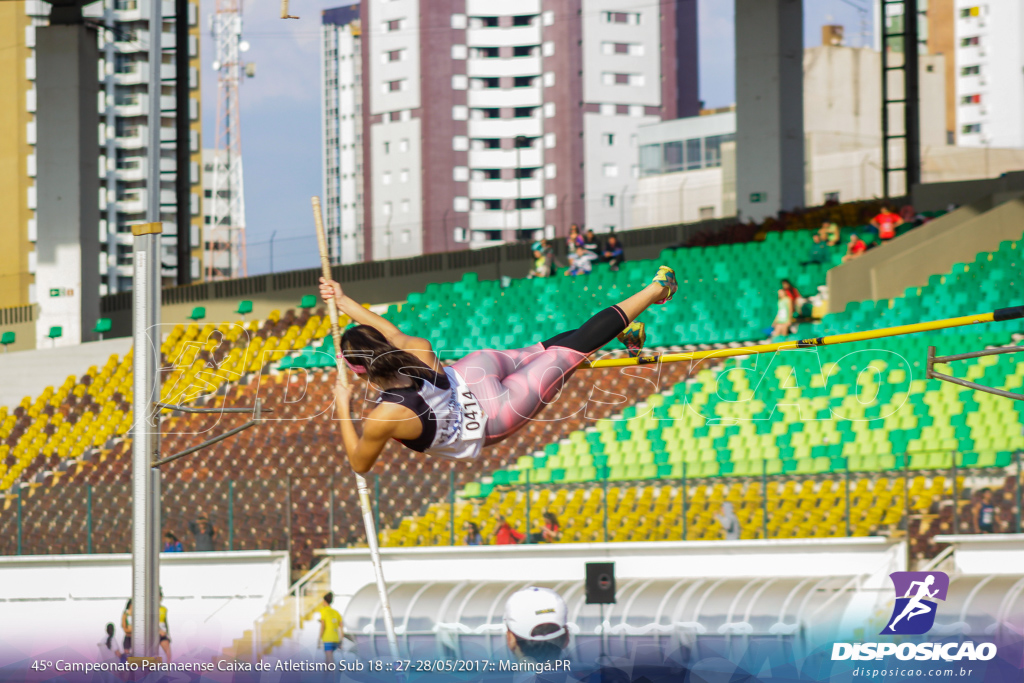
886,223
908,214
505,534
829,234
729,522
473,536
581,263
202,533
574,240
784,317
592,244
551,532
171,543
613,253
986,513
540,265
854,248
819,251
799,302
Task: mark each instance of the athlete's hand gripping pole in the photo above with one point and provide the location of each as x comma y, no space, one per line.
364,492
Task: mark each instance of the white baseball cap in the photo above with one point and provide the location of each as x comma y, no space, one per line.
530,607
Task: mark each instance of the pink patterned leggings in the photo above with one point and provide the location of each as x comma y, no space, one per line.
515,384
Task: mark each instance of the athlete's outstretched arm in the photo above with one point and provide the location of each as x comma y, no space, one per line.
417,346
386,421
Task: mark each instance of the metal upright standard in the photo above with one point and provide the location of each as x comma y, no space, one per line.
145,478
183,143
934,360
902,39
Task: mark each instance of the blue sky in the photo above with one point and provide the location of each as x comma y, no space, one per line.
280,109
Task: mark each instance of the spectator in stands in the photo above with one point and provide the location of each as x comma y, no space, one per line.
574,240
886,223
109,651
202,533
801,306
581,263
171,543
855,248
330,627
729,521
613,253
540,265
473,536
592,243
819,251
551,532
784,316
986,513
535,623
505,534
829,234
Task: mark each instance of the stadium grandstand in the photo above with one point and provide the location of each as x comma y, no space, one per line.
826,443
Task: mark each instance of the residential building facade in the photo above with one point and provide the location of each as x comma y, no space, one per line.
498,121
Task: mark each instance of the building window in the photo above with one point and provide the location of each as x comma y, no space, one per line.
622,79
405,206
610,170
394,55
971,128
523,81
403,175
526,172
524,112
969,41
393,25
608,201
491,143
972,70
487,205
490,113
395,86
487,174
694,157
386,178
387,208
484,22
970,99
485,53
622,17
523,50
403,145
486,83
523,20
707,212
609,139
522,142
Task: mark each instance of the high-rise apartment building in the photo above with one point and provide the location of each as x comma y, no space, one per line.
122,34
498,120
343,133
989,42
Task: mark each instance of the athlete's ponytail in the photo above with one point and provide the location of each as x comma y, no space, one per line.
365,347
110,635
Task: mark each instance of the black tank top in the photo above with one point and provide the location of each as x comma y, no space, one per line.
418,398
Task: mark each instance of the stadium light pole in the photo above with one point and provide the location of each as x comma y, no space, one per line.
146,263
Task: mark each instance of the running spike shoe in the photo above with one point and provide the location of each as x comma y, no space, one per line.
634,337
666,277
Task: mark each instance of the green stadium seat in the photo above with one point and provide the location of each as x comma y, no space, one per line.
7,338
55,333
102,326
308,301
198,313
244,308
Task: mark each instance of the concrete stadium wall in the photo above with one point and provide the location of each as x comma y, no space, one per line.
938,196
65,601
908,260
22,321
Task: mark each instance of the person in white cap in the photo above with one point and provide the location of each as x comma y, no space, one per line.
535,623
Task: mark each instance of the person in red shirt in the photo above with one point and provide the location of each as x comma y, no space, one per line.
855,248
505,534
886,223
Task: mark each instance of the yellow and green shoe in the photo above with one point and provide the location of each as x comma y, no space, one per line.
634,337
666,277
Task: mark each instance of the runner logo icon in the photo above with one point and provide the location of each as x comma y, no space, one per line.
916,593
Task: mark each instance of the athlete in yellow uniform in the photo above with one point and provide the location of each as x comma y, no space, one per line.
330,627
165,638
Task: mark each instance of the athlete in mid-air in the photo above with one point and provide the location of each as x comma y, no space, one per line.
453,412
914,606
